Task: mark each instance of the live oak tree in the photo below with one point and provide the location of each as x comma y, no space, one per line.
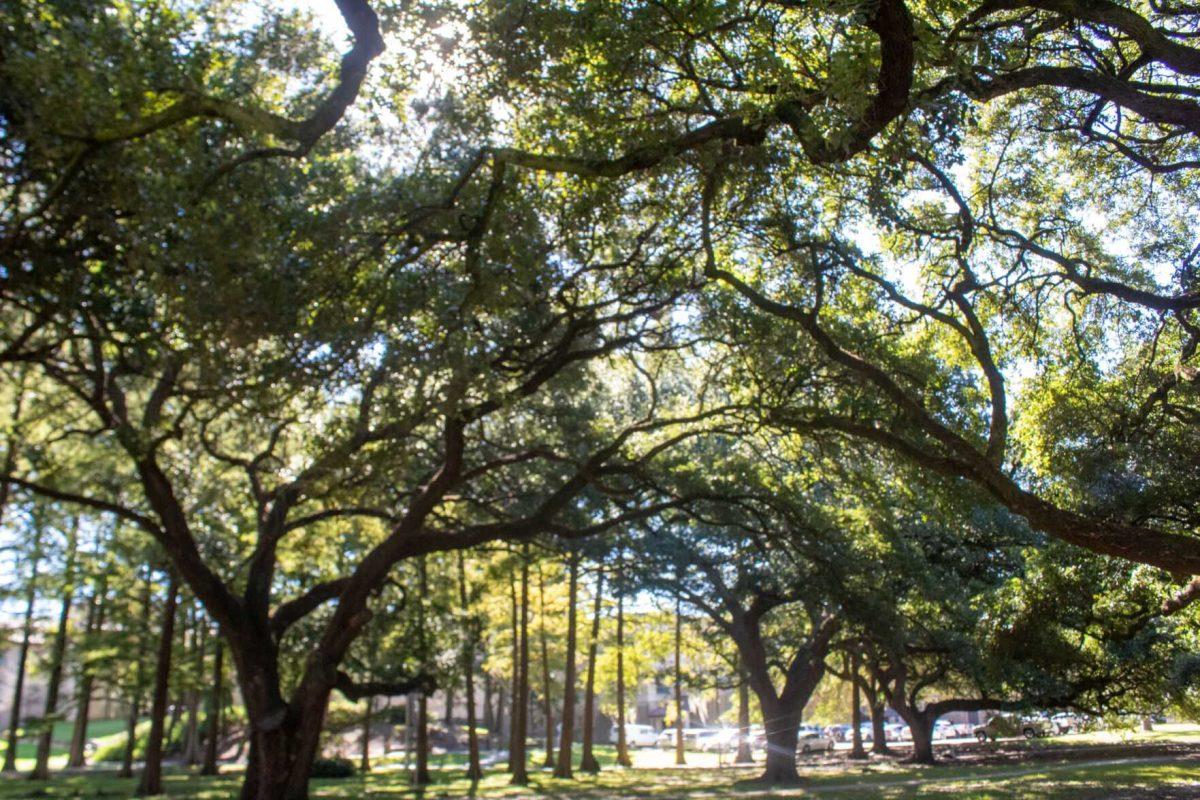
772,566
301,373
1014,630
277,290
795,155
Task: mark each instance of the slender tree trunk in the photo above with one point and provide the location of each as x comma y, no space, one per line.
474,769
622,740
193,750
387,729
856,749
151,781
364,762
565,742
588,762
173,720
139,676
87,675
422,777
679,757
410,729
501,722
489,716
547,699
520,775
215,702
744,753
515,692
11,445
9,466
131,722
878,732
41,768
14,722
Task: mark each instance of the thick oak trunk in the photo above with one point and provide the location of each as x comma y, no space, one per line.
920,721
279,764
782,726
781,709
922,737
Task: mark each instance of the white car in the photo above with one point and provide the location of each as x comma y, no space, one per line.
897,732
814,742
666,738
724,740
635,735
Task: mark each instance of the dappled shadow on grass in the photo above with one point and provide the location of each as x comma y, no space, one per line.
99,783
1166,779
614,783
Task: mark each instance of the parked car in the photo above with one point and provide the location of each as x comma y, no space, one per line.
1064,723
1008,725
758,737
814,742
897,732
962,728
724,740
666,739
839,733
635,735
944,729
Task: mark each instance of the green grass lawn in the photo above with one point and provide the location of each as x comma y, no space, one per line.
99,731
1129,778
1122,779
